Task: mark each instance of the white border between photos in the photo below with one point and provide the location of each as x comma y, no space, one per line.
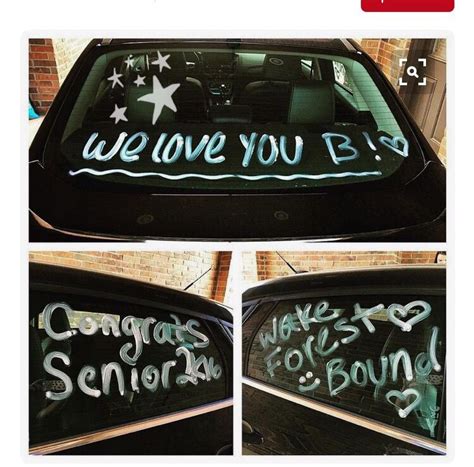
238,248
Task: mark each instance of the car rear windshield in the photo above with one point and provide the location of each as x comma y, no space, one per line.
232,118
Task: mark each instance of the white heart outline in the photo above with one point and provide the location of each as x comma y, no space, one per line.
403,396
407,326
392,143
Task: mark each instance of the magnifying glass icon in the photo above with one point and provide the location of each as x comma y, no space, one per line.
412,71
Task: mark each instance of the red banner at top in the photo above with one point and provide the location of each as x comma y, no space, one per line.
408,5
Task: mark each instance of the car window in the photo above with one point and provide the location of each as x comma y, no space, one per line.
341,76
230,119
378,356
98,364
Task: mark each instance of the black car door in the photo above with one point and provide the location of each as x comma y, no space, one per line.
110,375
345,373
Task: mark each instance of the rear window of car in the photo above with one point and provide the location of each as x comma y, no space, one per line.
96,365
231,119
382,357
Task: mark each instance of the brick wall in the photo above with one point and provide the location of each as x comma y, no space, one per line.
387,53
43,74
67,52
222,276
249,266
172,269
267,264
49,63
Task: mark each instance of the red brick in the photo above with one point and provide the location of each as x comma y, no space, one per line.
267,265
43,63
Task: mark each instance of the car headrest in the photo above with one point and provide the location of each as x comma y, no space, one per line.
142,112
230,114
312,102
282,67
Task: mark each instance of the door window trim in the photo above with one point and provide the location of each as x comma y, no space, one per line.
128,428
359,420
341,291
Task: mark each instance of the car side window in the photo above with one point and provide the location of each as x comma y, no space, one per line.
382,357
99,364
340,75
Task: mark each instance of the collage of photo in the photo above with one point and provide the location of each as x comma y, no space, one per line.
237,246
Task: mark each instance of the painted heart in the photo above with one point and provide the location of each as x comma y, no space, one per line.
403,397
403,311
397,144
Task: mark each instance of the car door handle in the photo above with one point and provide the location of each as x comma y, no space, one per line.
250,435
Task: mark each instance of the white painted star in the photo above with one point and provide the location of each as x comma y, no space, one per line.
160,97
115,78
161,61
129,62
119,114
140,81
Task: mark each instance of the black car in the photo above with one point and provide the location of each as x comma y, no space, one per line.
232,140
346,363
118,366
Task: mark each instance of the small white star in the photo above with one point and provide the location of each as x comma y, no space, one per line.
119,114
115,79
161,61
160,97
129,62
140,81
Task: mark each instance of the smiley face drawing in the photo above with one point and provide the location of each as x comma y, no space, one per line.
304,379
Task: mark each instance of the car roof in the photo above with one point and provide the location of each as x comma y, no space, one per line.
45,276
339,44
401,276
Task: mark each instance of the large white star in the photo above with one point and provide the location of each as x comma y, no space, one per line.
129,62
161,61
140,81
160,97
119,114
115,78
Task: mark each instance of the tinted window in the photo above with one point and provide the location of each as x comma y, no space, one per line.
231,119
96,364
378,356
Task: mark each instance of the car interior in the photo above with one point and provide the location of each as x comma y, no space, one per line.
367,400
228,87
81,413
290,96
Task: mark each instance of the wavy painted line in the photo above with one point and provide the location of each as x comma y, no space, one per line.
101,173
